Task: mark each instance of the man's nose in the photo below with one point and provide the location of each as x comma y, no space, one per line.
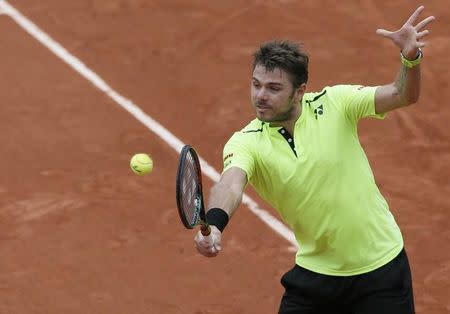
261,94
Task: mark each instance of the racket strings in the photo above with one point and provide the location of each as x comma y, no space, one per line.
190,190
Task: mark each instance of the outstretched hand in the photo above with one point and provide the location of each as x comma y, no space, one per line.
209,247
408,37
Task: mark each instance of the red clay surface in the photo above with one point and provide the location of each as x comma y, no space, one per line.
81,234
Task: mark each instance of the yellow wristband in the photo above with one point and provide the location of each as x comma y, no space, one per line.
411,63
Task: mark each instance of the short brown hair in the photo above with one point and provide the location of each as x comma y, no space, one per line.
285,55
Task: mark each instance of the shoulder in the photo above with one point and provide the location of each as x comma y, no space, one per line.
327,93
255,126
248,135
350,89
337,92
313,96
251,130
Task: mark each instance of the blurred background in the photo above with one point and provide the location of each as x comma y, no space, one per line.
80,233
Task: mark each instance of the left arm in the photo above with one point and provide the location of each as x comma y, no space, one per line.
405,90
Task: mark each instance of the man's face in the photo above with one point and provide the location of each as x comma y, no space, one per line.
272,95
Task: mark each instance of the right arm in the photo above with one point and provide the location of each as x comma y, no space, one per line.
227,195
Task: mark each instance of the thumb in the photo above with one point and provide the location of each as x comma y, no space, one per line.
384,33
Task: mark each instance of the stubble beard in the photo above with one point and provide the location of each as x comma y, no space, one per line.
282,116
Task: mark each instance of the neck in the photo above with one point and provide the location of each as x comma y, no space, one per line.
289,123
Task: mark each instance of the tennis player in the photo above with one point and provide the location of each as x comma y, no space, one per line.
303,156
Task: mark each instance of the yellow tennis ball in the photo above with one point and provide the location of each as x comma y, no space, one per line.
141,164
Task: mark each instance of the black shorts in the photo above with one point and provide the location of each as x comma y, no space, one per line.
386,290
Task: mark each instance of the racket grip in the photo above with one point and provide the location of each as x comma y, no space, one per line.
205,229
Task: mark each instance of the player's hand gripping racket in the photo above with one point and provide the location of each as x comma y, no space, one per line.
189,192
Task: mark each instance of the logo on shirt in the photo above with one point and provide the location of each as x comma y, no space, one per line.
227,156
318,111
226,160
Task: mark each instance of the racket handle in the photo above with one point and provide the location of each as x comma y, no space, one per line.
205,230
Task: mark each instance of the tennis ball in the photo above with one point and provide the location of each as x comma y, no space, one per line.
141,164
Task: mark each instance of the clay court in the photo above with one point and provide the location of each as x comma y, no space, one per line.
80,233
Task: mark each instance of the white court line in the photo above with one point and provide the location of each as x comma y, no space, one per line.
135,111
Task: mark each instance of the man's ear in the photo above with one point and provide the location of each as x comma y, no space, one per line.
299,92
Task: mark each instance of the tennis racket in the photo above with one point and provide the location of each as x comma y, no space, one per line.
189,192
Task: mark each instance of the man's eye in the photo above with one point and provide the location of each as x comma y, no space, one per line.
276,89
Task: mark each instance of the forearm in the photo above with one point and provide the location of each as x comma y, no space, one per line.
407,83
405,89
225,196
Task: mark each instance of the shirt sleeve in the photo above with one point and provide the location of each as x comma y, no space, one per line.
357,101
238,153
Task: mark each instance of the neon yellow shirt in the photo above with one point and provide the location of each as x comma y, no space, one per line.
321,183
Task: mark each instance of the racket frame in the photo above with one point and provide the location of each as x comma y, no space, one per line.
201,219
